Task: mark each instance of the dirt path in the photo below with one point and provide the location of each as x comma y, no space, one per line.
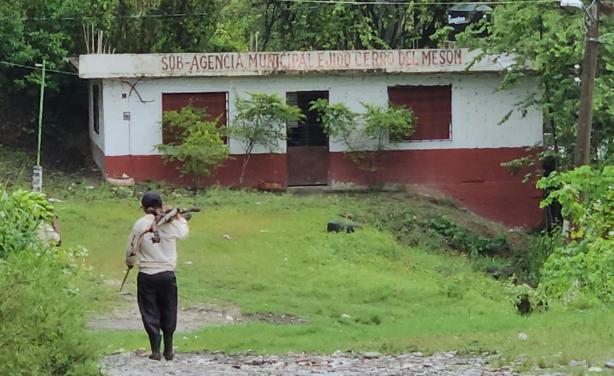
192,364
126,316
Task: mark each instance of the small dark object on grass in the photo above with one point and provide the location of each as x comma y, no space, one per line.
339,227
525,307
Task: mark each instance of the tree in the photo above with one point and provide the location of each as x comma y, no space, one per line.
550,41
155,31
302,26
582,267
261,120
197,144
53,29
386,126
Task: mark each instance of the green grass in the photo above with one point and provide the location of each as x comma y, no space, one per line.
280,259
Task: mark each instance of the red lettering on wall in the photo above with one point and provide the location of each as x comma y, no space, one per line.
458,57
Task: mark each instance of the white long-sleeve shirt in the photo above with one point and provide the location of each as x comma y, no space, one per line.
155,257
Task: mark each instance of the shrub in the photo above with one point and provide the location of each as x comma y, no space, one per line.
380,127
584,267
20,214
198,144
530,262
41,316
525,298
460,239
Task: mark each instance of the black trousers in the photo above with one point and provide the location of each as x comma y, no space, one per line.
157,298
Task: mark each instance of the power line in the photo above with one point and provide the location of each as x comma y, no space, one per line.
128,16
37,68
393,2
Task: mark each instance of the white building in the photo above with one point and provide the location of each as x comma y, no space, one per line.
457,148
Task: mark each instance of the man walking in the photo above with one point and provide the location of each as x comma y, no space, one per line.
155,249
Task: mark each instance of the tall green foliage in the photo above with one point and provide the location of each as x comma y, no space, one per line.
584,267
551,42
42,329
20,215
303,26
197,144
261,120
53,29
193,32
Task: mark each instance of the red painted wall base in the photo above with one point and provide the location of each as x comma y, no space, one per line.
262,169
473,177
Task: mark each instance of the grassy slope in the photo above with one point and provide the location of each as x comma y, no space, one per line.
280,259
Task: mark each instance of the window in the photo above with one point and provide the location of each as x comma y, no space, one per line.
432,107
216,105
309,130
96,107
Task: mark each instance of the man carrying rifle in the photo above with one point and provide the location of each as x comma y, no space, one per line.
152,242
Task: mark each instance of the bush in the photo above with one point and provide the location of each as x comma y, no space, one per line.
41,316
460,239
581,269
20,215
198,144
539,247
368,135
584,267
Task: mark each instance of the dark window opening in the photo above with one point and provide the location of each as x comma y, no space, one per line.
96,108
308,131
215,104
432,108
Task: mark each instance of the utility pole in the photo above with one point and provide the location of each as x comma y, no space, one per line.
37,171
589,70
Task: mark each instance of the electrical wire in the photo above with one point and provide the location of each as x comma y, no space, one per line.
37,68
392,2
128,16
331,2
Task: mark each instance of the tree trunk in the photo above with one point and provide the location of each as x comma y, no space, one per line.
248,154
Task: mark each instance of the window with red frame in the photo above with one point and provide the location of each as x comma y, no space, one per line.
215,104
432,107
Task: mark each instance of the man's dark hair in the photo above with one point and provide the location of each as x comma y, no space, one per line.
151,200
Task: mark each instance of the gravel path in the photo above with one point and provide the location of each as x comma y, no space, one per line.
192,364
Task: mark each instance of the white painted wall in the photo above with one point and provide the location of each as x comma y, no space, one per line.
477,107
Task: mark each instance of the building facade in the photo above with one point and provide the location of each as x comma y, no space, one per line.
457,148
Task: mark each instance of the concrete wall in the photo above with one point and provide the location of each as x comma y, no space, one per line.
466,167
477,107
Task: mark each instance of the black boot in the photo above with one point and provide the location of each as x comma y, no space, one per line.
154,342
168,346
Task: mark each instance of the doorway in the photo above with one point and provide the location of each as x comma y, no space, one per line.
307,142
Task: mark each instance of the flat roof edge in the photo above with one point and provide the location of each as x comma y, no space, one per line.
254,64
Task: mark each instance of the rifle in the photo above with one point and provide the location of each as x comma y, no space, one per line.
160,219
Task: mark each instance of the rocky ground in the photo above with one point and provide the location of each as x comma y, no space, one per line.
191,364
